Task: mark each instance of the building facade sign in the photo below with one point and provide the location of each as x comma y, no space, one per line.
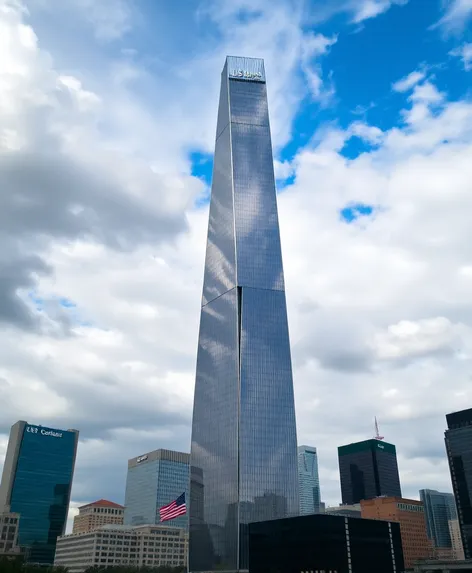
244,74
43,432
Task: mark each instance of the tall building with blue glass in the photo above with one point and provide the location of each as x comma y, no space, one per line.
308,480
36,483
439,509
244,443
155,479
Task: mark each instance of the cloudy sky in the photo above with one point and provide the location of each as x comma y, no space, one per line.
107,122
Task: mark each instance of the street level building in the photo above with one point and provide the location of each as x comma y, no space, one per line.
155,479
345,510
93,515
456,540
308,480
244,442
112,545
9,534
367,470
409,513
325,543
439,509
441,566
36,483
458,438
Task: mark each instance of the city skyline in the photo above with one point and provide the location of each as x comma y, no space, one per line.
106,170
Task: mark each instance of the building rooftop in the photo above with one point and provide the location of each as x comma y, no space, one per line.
103,503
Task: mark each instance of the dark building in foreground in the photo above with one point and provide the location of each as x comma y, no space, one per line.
367,470
36,484
325,543
244,443
458,438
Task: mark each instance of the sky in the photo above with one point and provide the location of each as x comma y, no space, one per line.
107,123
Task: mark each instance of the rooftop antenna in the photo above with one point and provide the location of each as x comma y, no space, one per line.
377,434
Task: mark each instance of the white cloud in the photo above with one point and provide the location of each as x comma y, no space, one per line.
465,53
379,312
367,9
457,15
409,81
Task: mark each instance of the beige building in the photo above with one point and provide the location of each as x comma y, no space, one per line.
96,514
111,545
9,533
456,539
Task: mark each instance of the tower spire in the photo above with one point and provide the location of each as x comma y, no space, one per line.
377,434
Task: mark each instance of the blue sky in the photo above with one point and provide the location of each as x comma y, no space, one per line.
107,124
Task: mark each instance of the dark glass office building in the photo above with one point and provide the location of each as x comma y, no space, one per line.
458,438
36,483
325,543
439,509
368,469
244,445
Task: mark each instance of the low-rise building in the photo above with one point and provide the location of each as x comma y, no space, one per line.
9,533
96,514
456,540
346,510
409,513
111,545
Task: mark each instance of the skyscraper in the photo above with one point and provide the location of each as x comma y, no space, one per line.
244,445
458,438
368,469
308,480
154,480
439,509
36,483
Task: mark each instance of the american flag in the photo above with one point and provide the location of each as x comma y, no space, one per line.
174,509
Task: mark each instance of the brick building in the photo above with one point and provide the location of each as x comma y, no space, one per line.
409,513
96,514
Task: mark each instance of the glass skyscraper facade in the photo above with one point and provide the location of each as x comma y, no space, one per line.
458,439
367,470
439,508
308,480
155,479
36,483
244,445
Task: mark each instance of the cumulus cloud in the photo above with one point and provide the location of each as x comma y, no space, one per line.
100,280
465,54
456,17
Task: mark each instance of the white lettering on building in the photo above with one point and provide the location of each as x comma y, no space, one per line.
245,74
141,459
43,432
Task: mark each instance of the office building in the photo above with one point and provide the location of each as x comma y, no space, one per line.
308,480
9,534
113,545
36,483
325,543
155,479
458,438
93,515
409,513
353,510
244,443
439,509
456,540
367,470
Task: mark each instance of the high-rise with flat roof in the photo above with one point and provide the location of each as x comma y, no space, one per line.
458,438
155,479
439,509
244,442
93,515
308,480
368,469
36,483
